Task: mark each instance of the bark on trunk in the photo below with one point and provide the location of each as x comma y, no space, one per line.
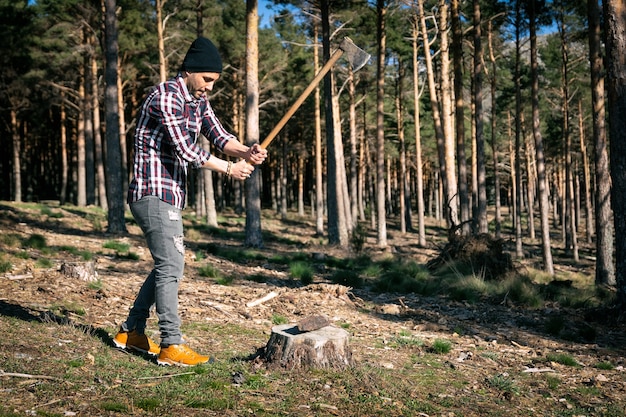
542,181
289,348
615,24
605,268
254,235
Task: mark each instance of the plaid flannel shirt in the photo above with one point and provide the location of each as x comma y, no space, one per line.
168,127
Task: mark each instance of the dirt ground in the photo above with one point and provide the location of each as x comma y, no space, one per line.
515,337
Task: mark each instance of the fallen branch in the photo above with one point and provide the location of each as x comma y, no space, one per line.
166,376
537,370
262,300
29,376
217,307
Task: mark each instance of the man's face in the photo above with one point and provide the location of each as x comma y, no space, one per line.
198,83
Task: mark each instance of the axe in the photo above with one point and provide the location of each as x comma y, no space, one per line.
357,58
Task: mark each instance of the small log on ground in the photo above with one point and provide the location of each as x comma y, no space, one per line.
322,348
82,270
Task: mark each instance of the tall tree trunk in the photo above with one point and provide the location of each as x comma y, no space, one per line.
405,219
481,173
64,163
494,145
81,171
419,174
457,55
354,202
517,197
571,243
99,147
319,175
530,178
615,24
254,235
586,175
542,182
17,164
300,161
434,101
159,4
452,196
122,128
336,226
380,127
362,165
605,269
90,154
115,174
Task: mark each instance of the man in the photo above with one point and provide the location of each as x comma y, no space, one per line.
171,118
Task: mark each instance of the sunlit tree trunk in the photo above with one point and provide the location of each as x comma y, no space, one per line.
452,196
159,4
405,219
586,192
605,269
380,127
17,162
457,56
319,175
615,24
516,175
81,171
64,163
101,184
530,176
419,174
542,181
494,145
481,173
354,203
434,103
122,128
254,235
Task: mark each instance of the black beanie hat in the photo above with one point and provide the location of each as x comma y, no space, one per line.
202,56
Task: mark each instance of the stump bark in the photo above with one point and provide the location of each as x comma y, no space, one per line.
80,270
290,348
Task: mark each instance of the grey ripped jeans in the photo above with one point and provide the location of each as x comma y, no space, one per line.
162,226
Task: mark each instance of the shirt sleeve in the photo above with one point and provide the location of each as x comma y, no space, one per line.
214,131
169,110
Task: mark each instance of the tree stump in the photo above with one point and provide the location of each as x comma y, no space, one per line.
80,270
326,347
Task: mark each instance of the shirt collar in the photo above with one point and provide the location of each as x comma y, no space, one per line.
183,87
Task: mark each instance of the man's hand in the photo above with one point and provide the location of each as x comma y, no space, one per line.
241,170
256,154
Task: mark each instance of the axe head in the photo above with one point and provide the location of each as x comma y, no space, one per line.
355,55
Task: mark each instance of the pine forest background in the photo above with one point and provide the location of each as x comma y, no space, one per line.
488,116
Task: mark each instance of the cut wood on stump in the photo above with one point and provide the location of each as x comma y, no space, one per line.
82,270
290,348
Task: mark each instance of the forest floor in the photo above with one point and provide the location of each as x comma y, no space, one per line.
413,355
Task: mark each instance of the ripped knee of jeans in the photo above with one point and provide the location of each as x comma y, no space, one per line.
179,244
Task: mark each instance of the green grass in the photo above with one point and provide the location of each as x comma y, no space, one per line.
5,266
301,271
277,319
35,241
563,359
441,346
209,271
119,247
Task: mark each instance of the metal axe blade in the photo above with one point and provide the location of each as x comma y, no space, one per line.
357,58
355,55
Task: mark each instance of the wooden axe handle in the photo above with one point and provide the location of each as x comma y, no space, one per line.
295,106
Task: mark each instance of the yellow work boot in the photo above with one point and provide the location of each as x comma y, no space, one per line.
136,341
180,355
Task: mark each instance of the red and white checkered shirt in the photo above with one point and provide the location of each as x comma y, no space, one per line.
168,127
